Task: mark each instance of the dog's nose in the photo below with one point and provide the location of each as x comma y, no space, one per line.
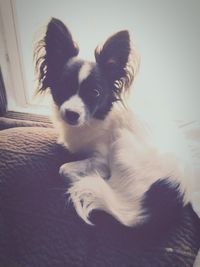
72,117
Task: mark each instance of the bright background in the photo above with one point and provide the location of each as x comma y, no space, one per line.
166,34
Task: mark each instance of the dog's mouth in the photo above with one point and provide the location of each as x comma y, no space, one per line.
71,123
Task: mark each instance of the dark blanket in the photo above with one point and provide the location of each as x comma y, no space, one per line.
39,227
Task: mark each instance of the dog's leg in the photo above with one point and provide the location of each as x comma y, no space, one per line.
121,195
93,192
78,169
75,170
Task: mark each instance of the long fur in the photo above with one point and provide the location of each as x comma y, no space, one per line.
126,161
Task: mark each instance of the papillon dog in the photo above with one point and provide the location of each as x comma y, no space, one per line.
130,171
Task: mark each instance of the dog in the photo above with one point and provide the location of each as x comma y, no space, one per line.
129,171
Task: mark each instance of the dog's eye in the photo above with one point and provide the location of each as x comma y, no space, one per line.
95,92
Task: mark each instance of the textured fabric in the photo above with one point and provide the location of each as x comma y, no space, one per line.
39,228
6,123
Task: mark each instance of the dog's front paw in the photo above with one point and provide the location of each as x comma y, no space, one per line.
71,171
83,199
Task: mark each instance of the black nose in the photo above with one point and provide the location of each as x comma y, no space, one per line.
72,117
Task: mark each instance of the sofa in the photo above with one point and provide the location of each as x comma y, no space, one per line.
40,228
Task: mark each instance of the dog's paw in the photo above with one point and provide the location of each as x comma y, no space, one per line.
71,171
83,199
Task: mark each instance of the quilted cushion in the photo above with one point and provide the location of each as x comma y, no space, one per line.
39,227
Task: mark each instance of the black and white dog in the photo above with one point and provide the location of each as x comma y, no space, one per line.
135,174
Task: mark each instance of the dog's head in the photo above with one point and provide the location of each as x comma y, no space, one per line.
81,89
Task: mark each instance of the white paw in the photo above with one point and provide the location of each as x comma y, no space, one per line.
83,199
71,171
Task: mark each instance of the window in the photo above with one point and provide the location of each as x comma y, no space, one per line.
166,33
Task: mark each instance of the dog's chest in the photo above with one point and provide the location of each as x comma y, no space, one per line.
87,139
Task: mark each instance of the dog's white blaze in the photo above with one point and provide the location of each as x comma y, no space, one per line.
74,103
84,72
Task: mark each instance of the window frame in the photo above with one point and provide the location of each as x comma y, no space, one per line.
12,64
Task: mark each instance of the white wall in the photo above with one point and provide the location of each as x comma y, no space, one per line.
166,33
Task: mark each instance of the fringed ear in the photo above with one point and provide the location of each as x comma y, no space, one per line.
52,52
117,60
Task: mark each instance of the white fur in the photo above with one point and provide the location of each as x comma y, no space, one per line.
84,72
131,154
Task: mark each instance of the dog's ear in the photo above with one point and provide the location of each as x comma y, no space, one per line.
52,52
113,56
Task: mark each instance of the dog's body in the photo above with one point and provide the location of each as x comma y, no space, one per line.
128,171
123,163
